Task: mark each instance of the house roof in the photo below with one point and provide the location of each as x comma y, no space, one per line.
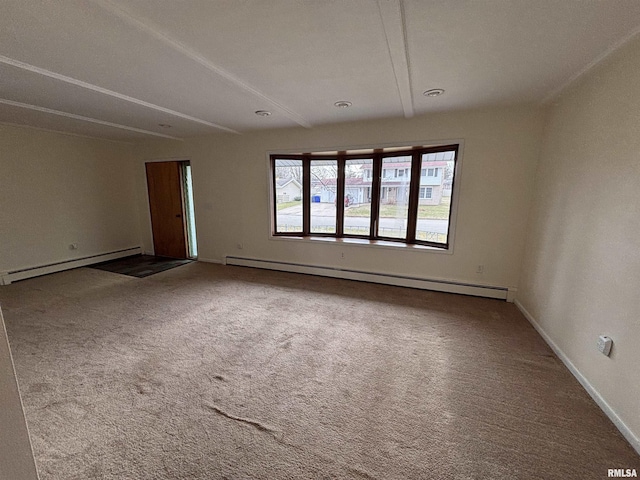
349,181
283,182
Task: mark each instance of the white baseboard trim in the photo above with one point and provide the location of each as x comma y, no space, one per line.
22,274
383,278
210,260
602,403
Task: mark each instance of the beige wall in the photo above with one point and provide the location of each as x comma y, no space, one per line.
16,458
581,272
59,189
231,190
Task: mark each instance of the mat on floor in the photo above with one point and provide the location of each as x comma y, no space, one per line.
140,266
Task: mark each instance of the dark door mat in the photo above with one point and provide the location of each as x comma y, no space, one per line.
140,266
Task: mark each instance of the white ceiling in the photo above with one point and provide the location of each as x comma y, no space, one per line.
119,68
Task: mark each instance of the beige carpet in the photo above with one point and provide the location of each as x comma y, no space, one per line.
212,372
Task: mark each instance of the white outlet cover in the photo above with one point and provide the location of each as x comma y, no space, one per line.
604,344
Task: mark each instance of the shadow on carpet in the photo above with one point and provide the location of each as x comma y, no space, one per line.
140,266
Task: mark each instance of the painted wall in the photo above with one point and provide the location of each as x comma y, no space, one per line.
581,270
231,187
16,457
56,190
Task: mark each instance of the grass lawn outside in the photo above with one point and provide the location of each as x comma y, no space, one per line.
435,212
283,205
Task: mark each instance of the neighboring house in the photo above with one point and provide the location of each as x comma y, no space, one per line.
323,190
355,188
395,182
432,183
287,190
394,186
447,187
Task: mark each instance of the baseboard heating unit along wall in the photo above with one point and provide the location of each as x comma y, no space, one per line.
21,274
502,293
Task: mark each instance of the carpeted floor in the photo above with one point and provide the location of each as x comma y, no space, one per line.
214,372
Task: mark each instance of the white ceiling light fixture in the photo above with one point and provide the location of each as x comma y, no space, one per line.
342,104
434,92
263,113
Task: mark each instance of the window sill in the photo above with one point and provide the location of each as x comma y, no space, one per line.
361,242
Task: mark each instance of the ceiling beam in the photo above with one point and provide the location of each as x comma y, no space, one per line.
82,118
105,91
395,31
155,31
64,132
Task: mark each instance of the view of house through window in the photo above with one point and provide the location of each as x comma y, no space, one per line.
394,197
324,189
401,195
357,196
435,195
288,195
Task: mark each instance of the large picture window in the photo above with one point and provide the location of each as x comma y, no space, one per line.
399,195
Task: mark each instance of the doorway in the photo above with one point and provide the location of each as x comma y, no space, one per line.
170,190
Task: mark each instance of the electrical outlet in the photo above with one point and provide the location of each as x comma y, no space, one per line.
341,254
239,246
480,269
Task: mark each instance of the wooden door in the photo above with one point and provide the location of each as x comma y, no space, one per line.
166,202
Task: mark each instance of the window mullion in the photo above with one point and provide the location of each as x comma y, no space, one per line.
274,210
340,195
414,192
375,193
306,195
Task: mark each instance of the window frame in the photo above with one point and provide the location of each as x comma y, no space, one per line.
376,155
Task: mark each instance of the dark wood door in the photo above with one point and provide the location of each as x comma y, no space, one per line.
166,202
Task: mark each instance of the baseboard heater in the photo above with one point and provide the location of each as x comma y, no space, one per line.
6,278
502,293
